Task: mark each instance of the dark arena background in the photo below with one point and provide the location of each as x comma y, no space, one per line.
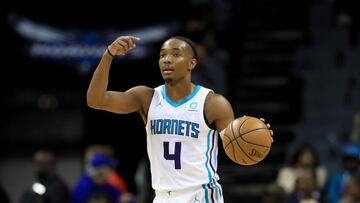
295,63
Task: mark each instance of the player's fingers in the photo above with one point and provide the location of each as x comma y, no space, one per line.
127,44
272,140
129,38
268,125
124,44
272,133
135,38
130,43
118,45
262,119
120,49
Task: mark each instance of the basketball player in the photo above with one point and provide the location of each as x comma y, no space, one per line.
182,121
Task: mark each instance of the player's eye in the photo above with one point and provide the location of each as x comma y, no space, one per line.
176,54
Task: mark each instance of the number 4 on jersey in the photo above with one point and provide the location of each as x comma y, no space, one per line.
175,156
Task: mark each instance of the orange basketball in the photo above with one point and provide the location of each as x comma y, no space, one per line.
247,140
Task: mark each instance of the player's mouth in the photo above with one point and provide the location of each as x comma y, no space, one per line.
168,70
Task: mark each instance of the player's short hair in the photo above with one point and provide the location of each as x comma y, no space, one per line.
190,43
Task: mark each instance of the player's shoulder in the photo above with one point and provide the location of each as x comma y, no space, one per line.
144,95
142,92
217,103
213,99
141,89
218,109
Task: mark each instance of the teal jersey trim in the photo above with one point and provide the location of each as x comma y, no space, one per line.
174,104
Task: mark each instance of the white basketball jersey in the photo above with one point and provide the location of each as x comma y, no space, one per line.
181,147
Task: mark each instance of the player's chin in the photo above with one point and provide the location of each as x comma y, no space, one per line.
168,79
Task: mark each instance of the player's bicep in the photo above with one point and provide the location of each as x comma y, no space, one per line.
225,115
121,102
127,102
219,111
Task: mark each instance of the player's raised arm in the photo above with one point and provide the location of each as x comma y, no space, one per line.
99,97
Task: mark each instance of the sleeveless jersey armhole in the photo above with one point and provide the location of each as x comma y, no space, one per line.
209,125
148,109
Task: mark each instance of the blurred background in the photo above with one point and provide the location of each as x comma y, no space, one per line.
295,63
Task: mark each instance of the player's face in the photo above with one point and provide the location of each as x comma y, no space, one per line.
176,60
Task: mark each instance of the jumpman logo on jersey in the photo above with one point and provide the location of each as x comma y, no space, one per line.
196,199
159,104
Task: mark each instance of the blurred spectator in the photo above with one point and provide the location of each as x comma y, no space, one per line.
305,158
306,188
115,179
308,201
351,191
99,198
218,12
346,14
47,187
355,132
94,186
94,183
3,196
273,193
211,68
350,165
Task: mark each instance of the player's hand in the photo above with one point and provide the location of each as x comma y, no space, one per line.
122,45
268,126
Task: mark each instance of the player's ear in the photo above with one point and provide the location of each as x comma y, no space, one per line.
193,63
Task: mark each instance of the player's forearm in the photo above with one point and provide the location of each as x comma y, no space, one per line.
96,94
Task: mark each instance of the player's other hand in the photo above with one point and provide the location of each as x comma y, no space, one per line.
267,125
122,45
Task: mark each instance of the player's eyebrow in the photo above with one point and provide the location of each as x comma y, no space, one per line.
176,49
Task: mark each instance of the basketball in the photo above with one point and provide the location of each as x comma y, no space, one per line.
247,140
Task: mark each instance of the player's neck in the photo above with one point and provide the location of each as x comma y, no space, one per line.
177,92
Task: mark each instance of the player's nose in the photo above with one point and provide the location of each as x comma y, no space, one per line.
167,60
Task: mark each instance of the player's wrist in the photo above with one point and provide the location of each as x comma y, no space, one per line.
108,52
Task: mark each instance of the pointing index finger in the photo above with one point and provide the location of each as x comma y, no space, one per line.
135,38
